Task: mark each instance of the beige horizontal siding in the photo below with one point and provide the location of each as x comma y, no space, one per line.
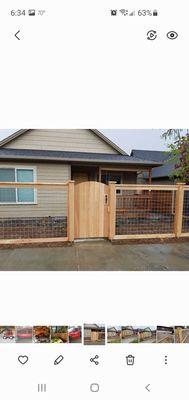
49,202
63,140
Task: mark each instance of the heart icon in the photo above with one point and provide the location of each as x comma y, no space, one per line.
23,359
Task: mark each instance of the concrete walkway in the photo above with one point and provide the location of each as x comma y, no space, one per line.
98,256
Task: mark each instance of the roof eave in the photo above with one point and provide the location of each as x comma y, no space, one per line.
78,160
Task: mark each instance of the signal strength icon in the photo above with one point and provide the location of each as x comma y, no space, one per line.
132,14
123,12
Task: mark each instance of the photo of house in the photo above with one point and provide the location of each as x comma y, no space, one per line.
147,334
74,192
114,334
94,335
165,334
129,334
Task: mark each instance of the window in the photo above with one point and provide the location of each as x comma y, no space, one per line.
111,176
17,195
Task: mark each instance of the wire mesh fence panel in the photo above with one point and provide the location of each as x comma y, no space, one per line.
185,220
145,212
31,213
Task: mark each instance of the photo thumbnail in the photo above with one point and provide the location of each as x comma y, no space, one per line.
94,335
41,334
24,334
129,334
114,334
147,334
165,334
7,334
181,334
75,334
59,334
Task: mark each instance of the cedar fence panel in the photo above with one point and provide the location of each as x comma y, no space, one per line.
48,218
151,211
133,212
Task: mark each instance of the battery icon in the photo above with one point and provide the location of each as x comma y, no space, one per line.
155,13
31,13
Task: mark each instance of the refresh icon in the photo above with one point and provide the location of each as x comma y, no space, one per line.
151,35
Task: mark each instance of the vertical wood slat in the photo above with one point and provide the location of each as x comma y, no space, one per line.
100,174
71,209
179,204
112,210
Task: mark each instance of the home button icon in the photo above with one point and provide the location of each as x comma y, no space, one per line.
94,387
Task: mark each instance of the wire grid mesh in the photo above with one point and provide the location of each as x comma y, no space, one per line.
185,220
46,218
145,212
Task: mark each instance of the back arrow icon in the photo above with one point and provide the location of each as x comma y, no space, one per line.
148,387
16,35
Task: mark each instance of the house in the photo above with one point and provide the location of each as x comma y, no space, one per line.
86,154
128,331
146,333
94,333
56,156
36,155
114,334
159,174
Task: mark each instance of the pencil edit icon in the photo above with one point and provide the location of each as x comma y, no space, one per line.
58,360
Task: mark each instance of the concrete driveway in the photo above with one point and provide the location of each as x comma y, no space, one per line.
98,256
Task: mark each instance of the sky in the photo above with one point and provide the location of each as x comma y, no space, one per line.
127,139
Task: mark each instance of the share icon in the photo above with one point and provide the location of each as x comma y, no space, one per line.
94,360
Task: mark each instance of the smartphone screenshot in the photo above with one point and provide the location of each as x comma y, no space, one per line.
94,199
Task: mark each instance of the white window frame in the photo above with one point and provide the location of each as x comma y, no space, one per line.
25,167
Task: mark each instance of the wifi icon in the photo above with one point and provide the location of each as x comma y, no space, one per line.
123,11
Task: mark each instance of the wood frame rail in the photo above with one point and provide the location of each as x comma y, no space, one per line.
34,185
146,187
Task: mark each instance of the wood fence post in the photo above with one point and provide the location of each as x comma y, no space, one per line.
112,210
71,209
179,204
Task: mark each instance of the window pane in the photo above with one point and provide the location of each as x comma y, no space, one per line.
7,175
24,175
7,195
25,195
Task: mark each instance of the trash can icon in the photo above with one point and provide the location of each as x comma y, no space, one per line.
130,360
